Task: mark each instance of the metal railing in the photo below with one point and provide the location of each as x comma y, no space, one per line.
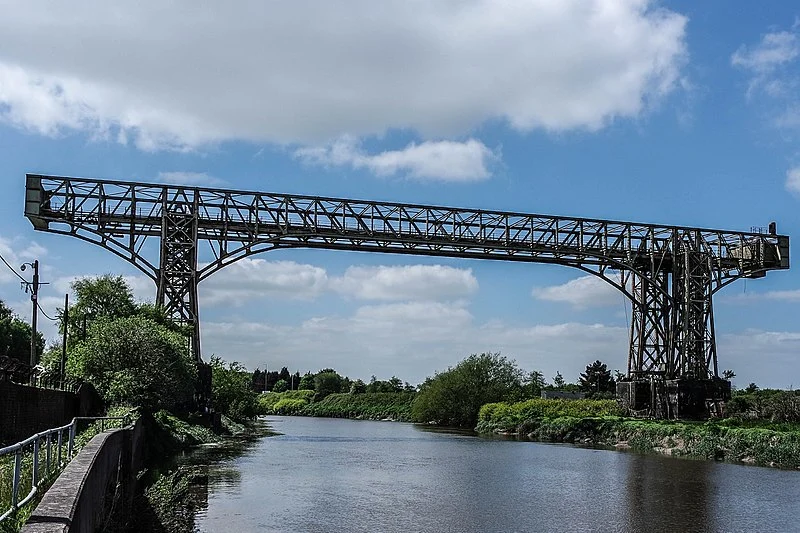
38,459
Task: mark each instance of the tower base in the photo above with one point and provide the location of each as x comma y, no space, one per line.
674,398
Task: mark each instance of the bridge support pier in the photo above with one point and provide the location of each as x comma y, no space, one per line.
178,278
674,398
672,362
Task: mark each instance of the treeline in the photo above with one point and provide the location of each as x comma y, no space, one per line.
366,405
324,382
455,396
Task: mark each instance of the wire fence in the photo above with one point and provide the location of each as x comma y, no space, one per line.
28,467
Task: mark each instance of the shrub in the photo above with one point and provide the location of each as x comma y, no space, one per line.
135,361
455,396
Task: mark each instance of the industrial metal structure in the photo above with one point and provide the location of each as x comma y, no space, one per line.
669,273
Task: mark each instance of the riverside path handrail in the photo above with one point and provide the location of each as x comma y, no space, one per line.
55,458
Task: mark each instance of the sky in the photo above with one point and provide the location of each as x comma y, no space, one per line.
673,112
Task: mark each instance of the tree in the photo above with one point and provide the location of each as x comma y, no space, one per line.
326,382
98,297
453,397
534,383
284,375
596,379
306,382
280,386
135,361
104,295
558,381
15,336
396,384
728,374
231,391
358,387
258,381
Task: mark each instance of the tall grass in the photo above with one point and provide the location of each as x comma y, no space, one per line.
504,416
369,405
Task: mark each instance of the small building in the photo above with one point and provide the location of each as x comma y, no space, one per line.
562,395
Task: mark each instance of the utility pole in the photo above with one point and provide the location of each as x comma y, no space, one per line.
65,325
34,286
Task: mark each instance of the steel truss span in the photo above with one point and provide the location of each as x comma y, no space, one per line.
670,273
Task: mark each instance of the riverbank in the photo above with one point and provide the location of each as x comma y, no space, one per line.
763,444
395,406
174,486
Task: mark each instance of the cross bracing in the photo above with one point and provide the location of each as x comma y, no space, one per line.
669,273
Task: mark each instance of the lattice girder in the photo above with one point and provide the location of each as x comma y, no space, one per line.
218,227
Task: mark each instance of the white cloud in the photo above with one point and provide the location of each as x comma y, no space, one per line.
190,178
15,252
252,279
793,181
182,74
772,66
412,341
413,282
142,287
583,292
784,296
249,279
762,357
436,161
774,50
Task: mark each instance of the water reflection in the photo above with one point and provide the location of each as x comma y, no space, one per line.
667,494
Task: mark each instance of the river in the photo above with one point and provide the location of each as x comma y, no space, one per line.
338,475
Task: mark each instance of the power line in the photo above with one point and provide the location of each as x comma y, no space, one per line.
48,317
45,314
12,269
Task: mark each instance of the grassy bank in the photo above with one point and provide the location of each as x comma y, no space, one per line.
368,406
585,423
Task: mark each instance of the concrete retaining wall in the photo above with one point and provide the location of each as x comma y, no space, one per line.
101,477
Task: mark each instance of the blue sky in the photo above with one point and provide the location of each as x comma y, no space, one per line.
667,112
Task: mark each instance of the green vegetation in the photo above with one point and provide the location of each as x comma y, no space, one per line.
327,382
776,406
597,422
453,397
372,406
135,361
284,403
369,405
15,336
596,380
231,391
503,416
